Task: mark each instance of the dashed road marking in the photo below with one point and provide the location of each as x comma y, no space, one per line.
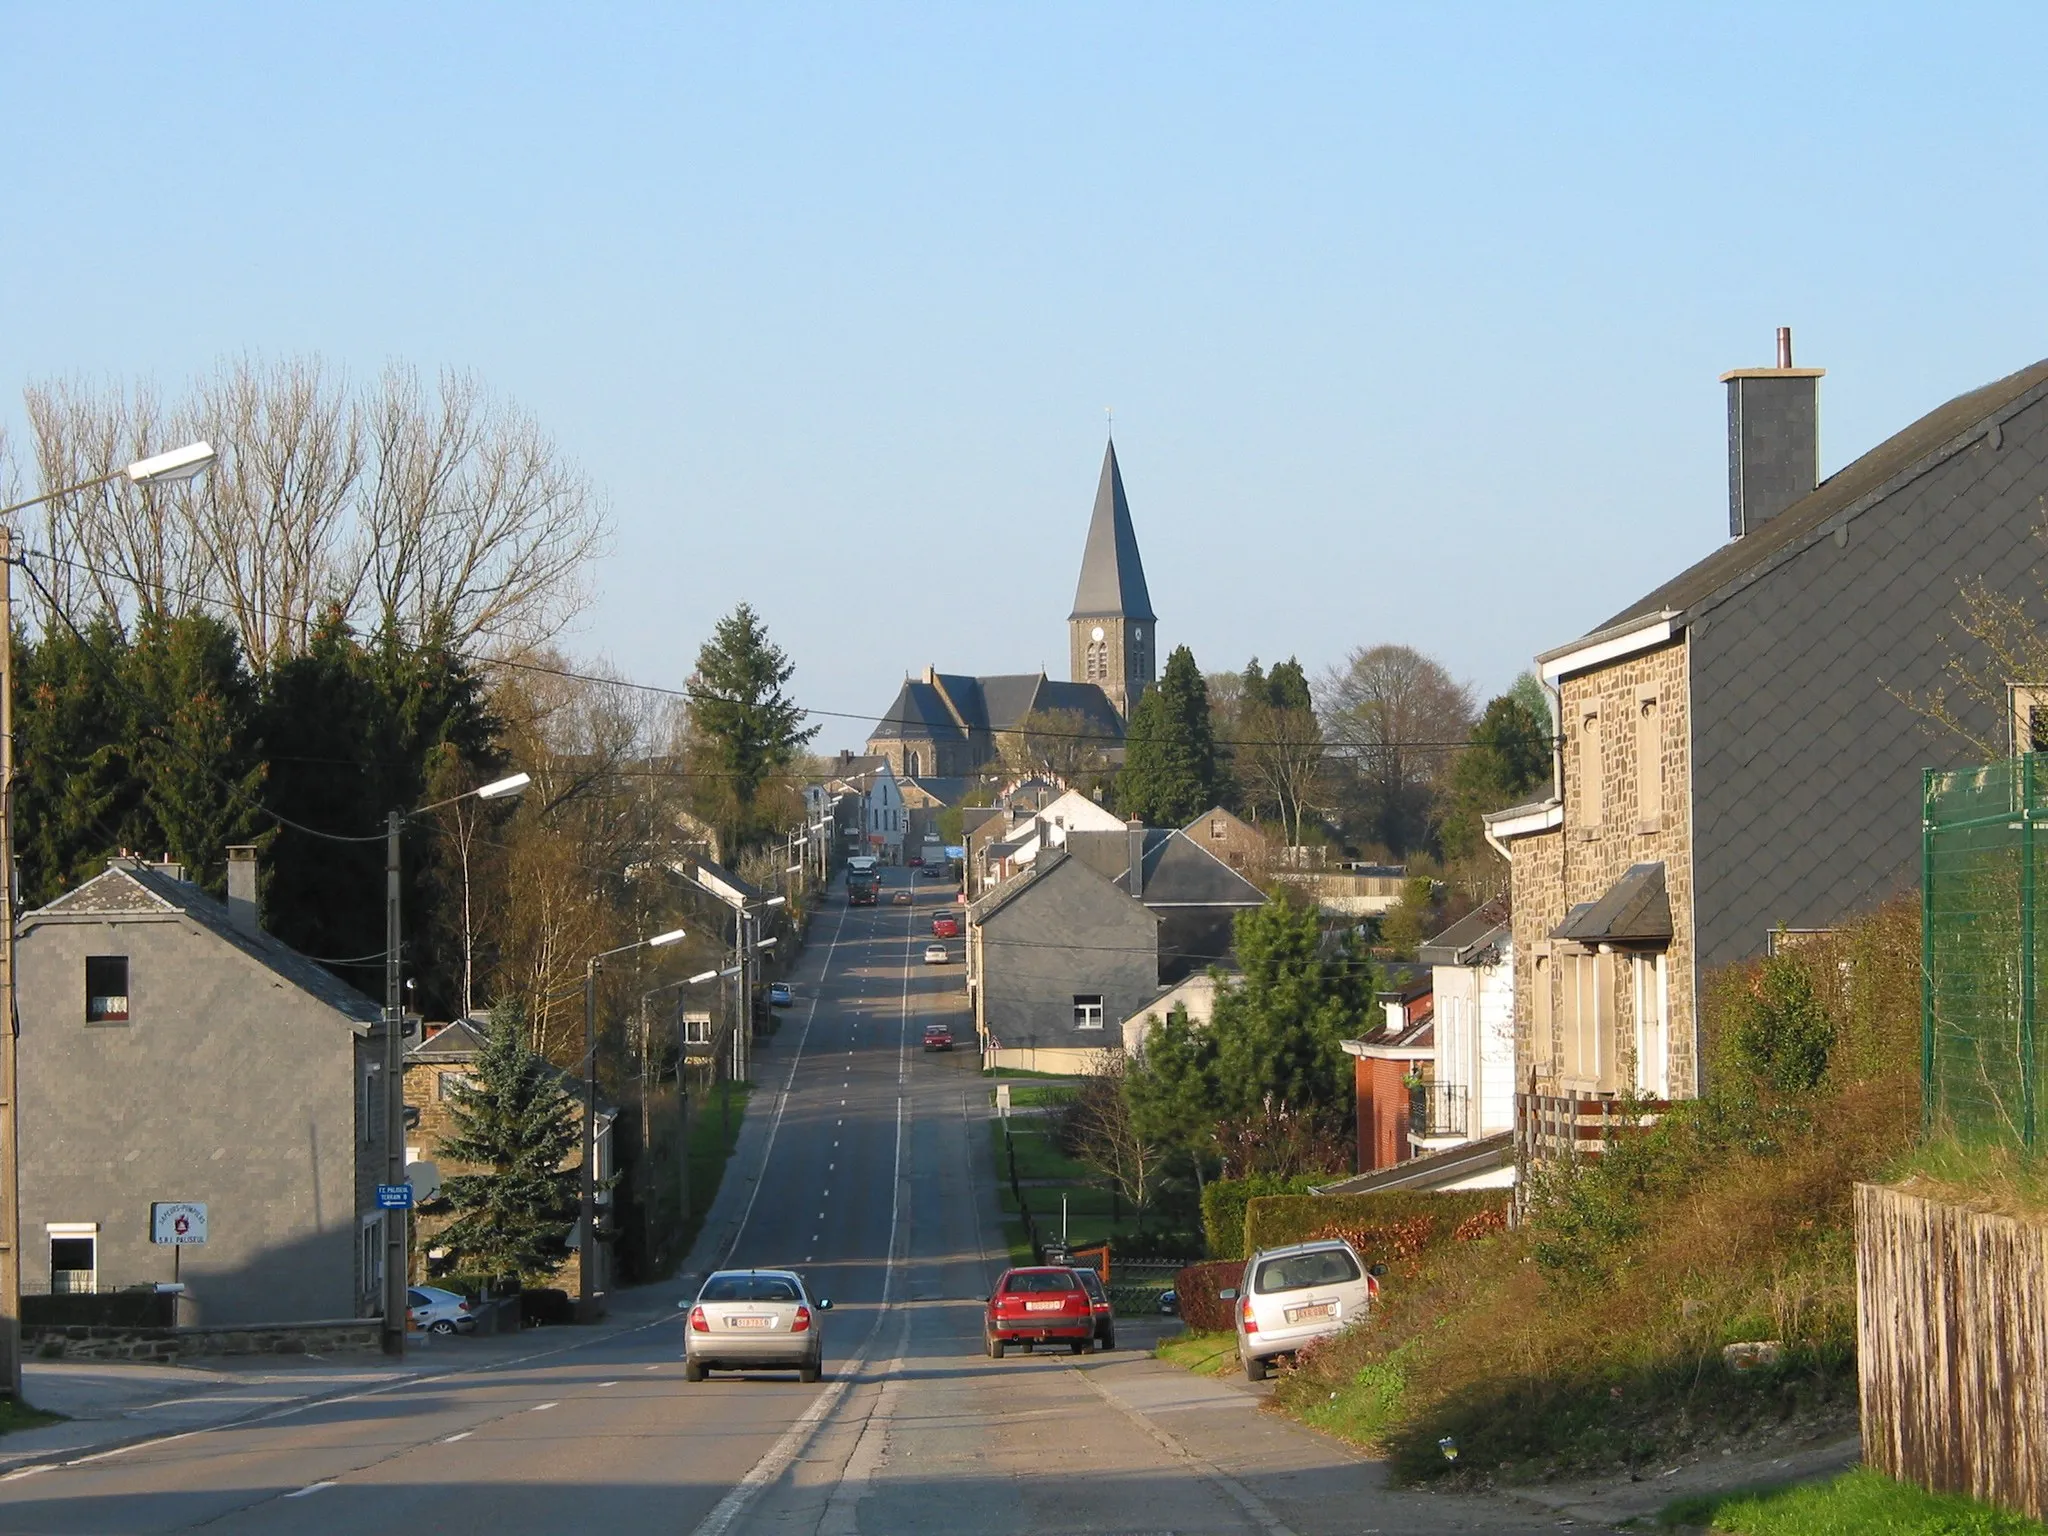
543,1407
310,1488
451,1439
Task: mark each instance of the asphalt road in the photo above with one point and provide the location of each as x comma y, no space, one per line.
877,1183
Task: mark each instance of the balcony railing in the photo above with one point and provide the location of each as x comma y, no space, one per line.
1437,1110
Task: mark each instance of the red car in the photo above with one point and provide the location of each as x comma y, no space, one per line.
945,926
938,1037
1039,1305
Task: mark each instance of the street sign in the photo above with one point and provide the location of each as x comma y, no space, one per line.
394,1197
179,1222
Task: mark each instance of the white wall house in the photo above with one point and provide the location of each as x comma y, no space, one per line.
885,816
1473,972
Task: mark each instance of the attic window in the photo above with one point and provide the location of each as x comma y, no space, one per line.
1216,830
106,989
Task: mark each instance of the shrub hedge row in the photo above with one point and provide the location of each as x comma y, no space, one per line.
1392,1225
1195,1288
1223,1204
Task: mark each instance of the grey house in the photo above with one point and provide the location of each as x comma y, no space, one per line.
1194,894
1057,957
172,1051
1737,750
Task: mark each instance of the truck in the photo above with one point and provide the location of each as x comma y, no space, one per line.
863,881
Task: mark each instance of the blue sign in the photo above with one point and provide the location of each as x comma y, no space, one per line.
394,1197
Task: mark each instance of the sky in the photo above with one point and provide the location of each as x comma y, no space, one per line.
1410,316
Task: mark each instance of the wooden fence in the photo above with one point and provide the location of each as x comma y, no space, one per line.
1952,1348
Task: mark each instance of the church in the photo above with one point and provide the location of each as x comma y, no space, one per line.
948,725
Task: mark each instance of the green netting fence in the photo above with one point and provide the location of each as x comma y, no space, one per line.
1984,873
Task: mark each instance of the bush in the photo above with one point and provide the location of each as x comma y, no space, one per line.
1195,1288
546,1307
1388,1227
1223,1206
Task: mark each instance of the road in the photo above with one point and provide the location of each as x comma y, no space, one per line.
876,1182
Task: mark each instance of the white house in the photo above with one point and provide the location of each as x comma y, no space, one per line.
885,816
1197,993
1472,970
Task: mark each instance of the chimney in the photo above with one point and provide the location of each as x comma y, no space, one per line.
1773,438
242,908
1136,874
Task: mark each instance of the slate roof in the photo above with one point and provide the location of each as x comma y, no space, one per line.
1432,1170
1112,581
918,713
1179,872
947,791
987,905
953,706
1636,909
126,889
1943,430
1466,939
458,1041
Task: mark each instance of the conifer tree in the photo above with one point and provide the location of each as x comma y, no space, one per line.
1170,774
746,728
514,1121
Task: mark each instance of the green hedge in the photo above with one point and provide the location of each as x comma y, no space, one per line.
1223,1206
1406,1220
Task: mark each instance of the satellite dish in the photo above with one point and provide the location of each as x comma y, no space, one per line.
425,1180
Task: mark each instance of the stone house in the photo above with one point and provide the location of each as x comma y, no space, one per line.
438,1061
170,1050
1244,847
1737,752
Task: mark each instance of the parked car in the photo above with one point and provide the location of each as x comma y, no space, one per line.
915,861
937,954
1292,1296
902,899
1043,1304
754,1319
439,1311
937,871
1169,1303
779,994
938,1037
945,926
1098,1300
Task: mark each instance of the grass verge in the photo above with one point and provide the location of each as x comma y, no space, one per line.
15,1416
1206,1354
1861,1501
714,1132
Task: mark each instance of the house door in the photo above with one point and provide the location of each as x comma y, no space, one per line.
1653,1025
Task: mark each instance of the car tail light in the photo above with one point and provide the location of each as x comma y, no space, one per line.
1372,1286
462,1306
1251,1322
803,1321
698,1322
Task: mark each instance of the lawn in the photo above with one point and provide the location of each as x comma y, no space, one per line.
1093,1214
15,1416
1206,1354
1859,1503
714,1132
1040,1095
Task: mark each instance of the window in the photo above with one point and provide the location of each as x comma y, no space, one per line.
2029,719
696,1029
370,1253
910,764
370,1102
1216,829
74,1257
106,989
1588,1007
1098,661
1653,1026
1649,763
446,1084
1542,1041
1592,770
1088,1012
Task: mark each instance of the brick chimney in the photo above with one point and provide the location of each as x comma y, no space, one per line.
1136,875
1773,438
243,911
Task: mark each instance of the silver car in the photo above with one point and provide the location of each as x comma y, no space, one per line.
1293,1296
754,1319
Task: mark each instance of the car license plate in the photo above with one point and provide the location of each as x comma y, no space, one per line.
1310,1314
1042,1306
749,1322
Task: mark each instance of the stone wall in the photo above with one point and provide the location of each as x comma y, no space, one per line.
165,1345
1555,871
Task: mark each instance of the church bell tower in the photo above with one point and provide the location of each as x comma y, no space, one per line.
1110,632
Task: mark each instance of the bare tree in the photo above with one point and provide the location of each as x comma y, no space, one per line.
1279,762
1400,716
1103,1134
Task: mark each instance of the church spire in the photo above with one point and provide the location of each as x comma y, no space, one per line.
1112,584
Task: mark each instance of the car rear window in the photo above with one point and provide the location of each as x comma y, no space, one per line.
1090,1283
748,1288
1040,1282
1326,1266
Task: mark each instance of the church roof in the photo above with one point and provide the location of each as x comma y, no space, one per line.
980,704
1112,576
919,713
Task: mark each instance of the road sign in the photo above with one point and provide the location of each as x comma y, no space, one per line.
179,1222
394,1197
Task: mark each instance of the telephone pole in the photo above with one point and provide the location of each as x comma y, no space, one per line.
10,1133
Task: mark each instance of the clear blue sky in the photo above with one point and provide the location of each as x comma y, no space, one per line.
1411,317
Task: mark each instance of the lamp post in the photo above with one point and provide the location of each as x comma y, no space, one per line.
179,464
586,1240
396,1279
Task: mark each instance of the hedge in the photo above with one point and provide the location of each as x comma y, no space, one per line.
1395,1224
1223,1205
1195,1288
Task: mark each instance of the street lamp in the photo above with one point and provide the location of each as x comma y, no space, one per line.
586,1250
396,1278
163,468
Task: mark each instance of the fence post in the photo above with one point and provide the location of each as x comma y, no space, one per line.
1926,952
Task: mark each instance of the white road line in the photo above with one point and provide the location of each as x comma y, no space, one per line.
607,1383
309,1488
30,1471
542,1407
451,1439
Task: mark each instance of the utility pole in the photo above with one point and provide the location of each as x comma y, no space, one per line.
396,1280
587,1245
10,1120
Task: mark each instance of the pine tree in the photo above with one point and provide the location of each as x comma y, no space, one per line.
514,1120
745,726
1170,774
1509,758
1280,1030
